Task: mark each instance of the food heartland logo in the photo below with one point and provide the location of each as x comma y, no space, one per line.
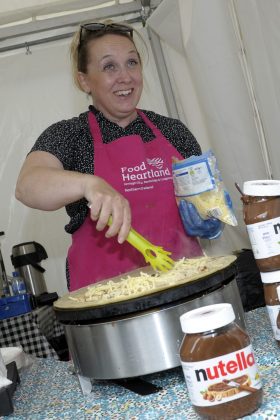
240,362
143,172
157,162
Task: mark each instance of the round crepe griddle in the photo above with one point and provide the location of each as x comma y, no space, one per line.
191,289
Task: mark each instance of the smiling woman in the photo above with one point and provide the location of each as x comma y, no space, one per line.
86,159
112,74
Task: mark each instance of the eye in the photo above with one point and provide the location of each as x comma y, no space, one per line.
132,62
109,67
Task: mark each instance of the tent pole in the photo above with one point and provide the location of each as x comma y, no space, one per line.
163,74
250,85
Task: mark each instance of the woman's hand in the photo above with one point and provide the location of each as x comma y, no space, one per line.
104,201
196,226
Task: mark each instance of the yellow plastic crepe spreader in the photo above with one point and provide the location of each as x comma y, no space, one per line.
153,254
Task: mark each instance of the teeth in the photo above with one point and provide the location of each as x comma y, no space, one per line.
123,92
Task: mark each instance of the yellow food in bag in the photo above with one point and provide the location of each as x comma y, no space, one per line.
198,181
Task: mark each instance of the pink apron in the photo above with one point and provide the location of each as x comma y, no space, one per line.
142,173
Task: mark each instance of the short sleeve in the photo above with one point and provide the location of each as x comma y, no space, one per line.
58,139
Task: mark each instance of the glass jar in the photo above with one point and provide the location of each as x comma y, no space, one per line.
271,287
261,211
218,364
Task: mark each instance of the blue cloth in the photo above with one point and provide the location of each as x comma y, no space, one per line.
194,225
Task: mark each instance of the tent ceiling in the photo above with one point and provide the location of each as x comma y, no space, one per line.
12,11
63,17
15,11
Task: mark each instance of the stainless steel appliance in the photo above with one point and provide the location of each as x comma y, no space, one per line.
4,286
143,335
26,258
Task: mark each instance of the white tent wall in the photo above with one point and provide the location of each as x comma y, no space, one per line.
36,91
260,28
232,110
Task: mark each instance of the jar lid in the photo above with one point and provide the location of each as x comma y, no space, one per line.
262,187
271,277
207,318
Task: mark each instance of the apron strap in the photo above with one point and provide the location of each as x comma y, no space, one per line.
94,129
148,122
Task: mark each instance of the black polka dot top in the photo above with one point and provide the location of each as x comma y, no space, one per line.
71,142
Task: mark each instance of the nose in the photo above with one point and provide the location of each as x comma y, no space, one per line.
124,74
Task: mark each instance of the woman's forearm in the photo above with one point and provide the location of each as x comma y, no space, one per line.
43,184
48,188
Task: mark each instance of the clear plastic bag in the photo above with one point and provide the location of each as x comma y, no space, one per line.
198,181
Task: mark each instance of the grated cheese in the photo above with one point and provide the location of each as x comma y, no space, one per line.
128,287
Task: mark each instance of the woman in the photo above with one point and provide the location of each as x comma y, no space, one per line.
114,157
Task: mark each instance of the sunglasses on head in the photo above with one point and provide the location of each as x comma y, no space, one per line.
103,28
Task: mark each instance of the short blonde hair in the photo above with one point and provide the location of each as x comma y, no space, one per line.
79,50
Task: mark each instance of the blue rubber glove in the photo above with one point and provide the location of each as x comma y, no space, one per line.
194,225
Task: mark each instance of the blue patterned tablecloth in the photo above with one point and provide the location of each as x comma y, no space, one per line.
49,390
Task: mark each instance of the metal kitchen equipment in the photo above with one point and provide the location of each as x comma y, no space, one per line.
4,286
26,258
142,335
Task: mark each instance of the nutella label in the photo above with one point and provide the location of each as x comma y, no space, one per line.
273,312
265,238
222,379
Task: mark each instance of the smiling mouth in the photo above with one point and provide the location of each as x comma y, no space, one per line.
123,92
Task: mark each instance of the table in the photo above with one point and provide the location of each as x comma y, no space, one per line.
35,399
32,331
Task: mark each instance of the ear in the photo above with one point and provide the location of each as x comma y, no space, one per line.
83,80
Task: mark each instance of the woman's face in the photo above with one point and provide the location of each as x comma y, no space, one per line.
114,77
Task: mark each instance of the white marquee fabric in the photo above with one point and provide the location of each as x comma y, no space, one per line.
229,100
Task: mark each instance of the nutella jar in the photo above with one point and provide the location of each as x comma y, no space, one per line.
271,287
278,321
218,364
261,211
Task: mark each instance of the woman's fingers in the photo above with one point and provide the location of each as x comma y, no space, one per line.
106,202
119,209
125,225
95,209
